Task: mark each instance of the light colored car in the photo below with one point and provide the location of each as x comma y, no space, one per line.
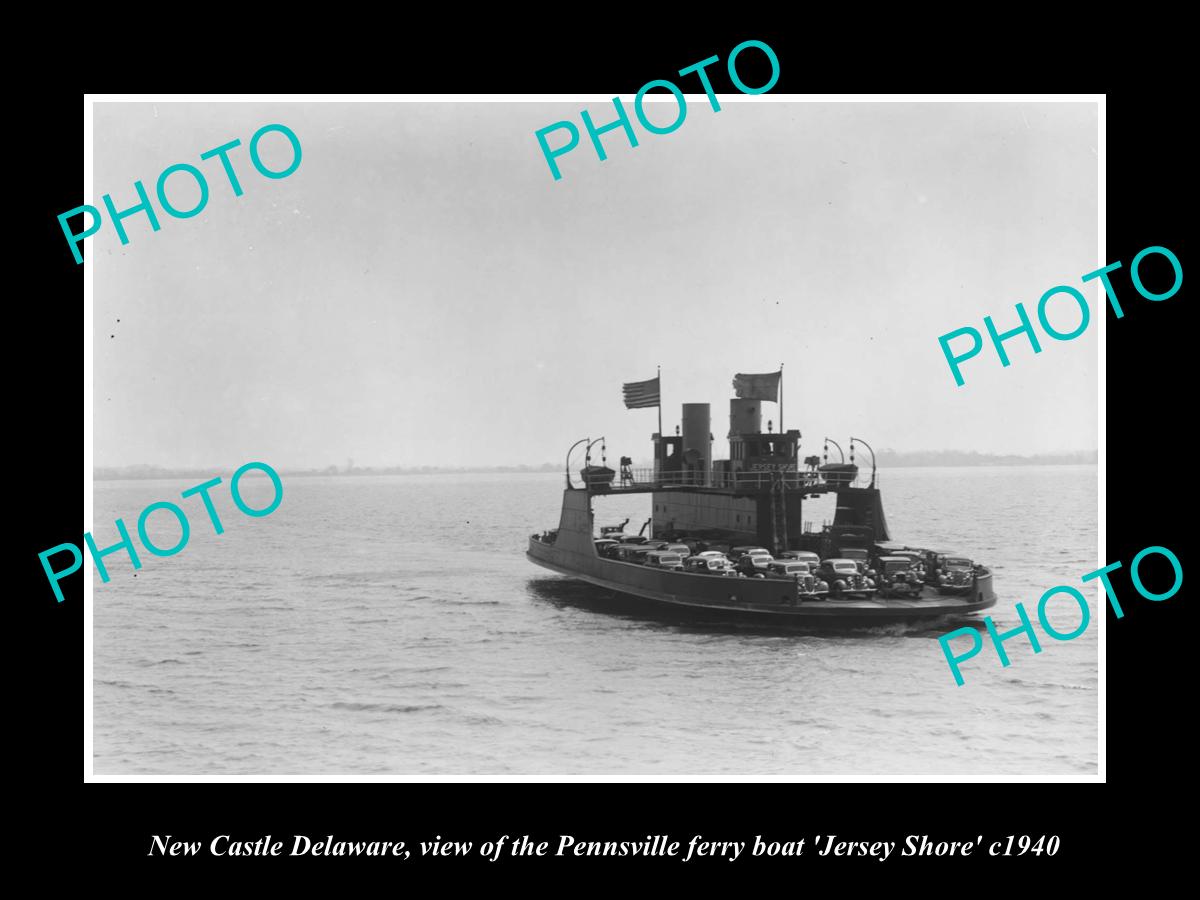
709,565
736,553
664,559
807,556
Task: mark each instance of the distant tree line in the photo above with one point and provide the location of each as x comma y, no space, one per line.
141,470
887,459
901,458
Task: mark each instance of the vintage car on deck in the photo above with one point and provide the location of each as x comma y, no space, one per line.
736,553
860,557
807,556
715,564
844,578
754,565
954,575
655,545
808,585
635,553
896,577
682,549
917,559
664,559
602,544
623,551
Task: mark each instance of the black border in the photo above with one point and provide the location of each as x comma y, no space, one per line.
1147,411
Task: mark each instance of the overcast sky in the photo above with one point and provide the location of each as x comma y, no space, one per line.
421,291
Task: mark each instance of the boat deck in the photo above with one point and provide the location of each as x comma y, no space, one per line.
752,595
720,481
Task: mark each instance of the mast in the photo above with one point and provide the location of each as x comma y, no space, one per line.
658,377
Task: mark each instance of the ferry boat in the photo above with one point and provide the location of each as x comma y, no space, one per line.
849,569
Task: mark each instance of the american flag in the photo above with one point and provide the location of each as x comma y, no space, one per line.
641,393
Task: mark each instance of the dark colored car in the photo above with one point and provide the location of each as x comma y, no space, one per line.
896,577
844,578
623,551
857,554
715,564
754,565
736,553
955,575
808,585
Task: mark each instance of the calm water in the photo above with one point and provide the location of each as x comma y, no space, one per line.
393,625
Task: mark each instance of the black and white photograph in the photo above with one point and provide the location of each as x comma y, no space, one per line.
514,438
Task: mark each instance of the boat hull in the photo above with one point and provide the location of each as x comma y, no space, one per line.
570,550
757,596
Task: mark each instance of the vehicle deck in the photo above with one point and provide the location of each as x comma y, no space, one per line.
929,604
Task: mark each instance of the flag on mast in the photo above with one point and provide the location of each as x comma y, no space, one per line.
639,394
758,387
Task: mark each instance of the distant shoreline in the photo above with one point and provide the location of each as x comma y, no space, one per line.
887,460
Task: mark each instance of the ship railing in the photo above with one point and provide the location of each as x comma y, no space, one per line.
641,479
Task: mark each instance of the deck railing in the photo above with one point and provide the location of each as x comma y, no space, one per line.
755,479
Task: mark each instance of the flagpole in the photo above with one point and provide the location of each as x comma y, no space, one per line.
781,398
659,379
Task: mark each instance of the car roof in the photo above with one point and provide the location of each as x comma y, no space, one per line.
894,559
840,559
